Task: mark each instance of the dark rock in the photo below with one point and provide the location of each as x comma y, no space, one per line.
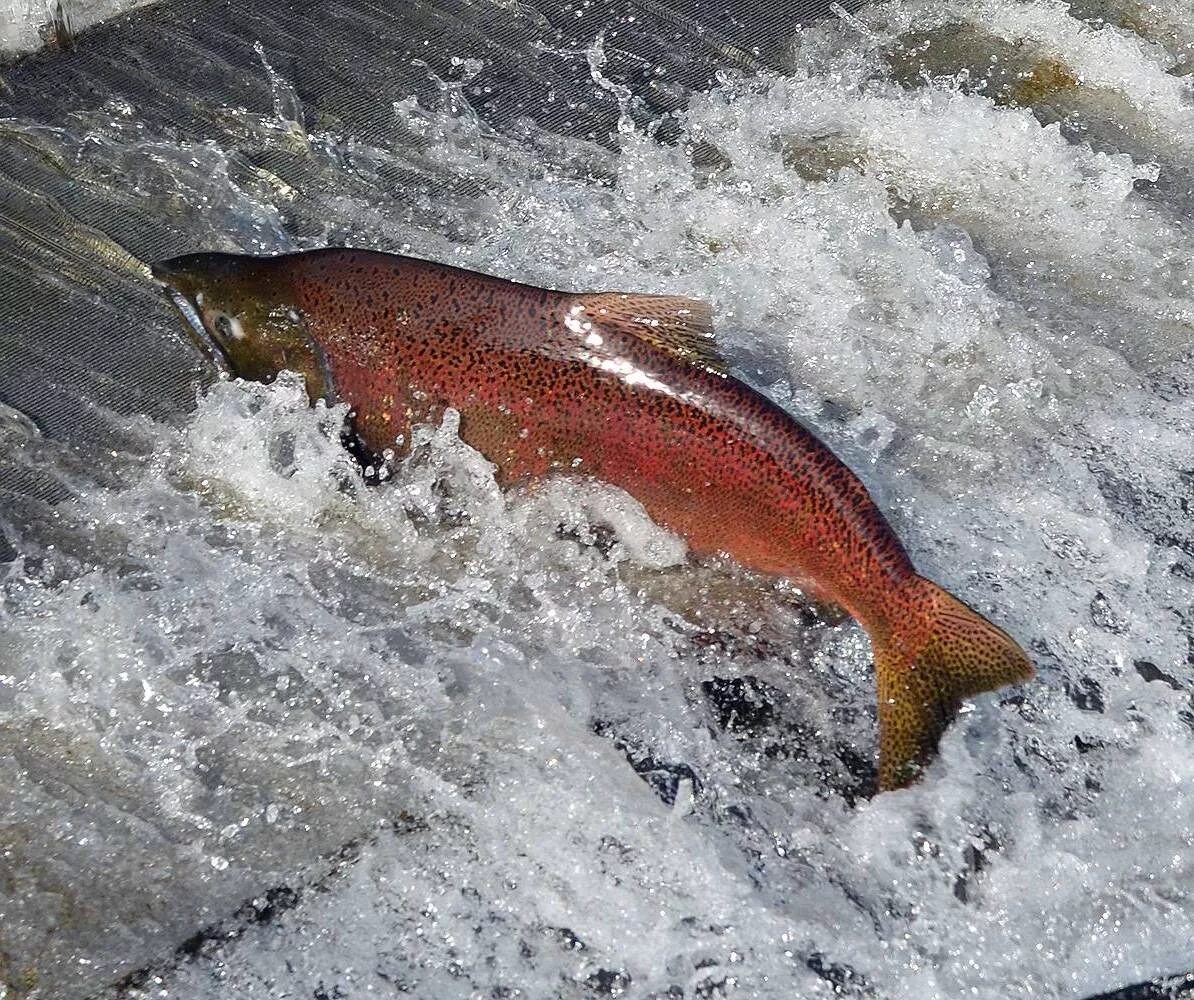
1151,672
846,982
664,777
744,705
608,982
1085,693
1105,617
1170,988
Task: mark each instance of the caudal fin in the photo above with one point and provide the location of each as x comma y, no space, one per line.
939,654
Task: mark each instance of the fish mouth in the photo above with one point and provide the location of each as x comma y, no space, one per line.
211,348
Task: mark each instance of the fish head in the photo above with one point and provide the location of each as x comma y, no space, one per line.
243,313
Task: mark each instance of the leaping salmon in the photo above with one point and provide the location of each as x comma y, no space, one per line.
624,388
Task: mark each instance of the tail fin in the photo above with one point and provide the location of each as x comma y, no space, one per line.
942,652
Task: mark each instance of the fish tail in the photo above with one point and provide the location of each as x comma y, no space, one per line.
939,653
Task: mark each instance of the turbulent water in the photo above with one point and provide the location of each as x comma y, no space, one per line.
25,25
430,739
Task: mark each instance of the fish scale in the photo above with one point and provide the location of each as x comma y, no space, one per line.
623,388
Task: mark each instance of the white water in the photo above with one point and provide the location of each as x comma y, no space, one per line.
26,25
238,660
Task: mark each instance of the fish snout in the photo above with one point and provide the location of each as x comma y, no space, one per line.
173,271
194,269
177,279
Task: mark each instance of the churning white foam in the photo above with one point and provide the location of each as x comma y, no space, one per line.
464,743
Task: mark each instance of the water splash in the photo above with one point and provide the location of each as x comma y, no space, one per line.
535,751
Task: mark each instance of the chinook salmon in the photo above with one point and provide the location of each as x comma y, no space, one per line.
624,388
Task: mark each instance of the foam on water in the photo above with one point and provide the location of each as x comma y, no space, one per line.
456,742
26,25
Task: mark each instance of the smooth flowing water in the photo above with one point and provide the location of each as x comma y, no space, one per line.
428,738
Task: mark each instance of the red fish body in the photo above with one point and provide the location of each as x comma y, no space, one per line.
625,389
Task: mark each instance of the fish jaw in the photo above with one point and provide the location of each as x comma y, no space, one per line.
173,283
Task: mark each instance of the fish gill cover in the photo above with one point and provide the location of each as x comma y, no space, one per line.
265,731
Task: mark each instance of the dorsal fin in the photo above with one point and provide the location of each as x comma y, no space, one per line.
680,326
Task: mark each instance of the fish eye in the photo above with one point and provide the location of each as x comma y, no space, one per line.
227,327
